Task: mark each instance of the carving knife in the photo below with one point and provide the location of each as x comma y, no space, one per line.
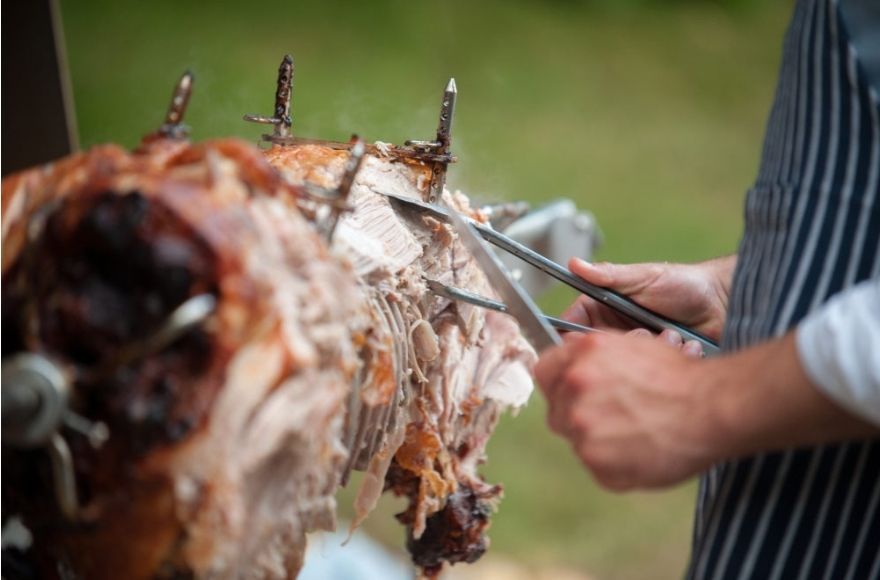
519,304
610,298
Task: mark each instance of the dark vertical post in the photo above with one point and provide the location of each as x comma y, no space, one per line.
37,103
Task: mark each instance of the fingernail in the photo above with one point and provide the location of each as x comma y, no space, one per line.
693,348
673,337
640,332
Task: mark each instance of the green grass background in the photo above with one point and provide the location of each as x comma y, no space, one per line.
647,113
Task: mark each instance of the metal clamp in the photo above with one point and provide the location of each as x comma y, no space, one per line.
35,394
35,402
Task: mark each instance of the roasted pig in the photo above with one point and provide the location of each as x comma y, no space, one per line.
321,356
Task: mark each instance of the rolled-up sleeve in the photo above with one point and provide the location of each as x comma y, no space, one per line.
839,348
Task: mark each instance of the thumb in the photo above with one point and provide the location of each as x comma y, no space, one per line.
625,278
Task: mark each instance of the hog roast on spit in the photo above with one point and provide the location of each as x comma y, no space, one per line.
246,327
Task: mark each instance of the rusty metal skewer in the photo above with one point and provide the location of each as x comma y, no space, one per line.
441,144
447,111
283,92
444,138
173,126
355,159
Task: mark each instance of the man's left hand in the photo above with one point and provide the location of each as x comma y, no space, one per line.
631,407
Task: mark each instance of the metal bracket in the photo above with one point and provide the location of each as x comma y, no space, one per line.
35,397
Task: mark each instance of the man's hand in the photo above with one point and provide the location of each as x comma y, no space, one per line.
640,415
629,407
692,294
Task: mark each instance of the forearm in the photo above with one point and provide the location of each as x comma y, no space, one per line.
762,400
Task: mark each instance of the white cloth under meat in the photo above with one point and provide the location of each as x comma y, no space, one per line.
839,347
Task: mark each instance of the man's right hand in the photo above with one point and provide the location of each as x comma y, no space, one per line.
694,295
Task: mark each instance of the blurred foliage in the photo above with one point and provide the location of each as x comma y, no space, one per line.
647,112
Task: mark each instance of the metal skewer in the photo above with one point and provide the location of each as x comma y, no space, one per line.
173,126
185,317
469,297
440,146
355,159
434,153
444,138
283,91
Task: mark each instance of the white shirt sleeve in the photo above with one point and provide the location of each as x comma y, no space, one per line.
839,348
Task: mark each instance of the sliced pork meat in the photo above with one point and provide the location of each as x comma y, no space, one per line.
455,366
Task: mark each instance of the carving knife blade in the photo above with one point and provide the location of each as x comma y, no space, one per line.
519,304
